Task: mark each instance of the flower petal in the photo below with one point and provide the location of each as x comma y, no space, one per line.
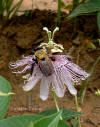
32,82
66,80
73,71
77,72
44,87
69,85
27,60
65,77
58,85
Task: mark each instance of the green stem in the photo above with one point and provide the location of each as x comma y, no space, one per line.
85,83
77,107
75,3
54,96
59,12
32,4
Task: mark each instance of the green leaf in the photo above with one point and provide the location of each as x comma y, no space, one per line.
85,82
91,46
99,41
98,20
66,114
75,122
89,7
97,92
31,124
19,121
8,5
75,3
14,9
62,123
48,121
1,7
4,100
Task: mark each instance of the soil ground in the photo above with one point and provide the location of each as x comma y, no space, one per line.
22,34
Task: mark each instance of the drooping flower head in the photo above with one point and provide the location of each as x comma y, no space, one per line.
49,68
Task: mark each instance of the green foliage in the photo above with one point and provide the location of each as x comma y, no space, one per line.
85,82
6,9
59,12
98,20
31,124
99,41
90,45
68,7
4,100
75,122
48,118
97,92
62,123
53,120
48,121
66,114
19,121
87,7
75,3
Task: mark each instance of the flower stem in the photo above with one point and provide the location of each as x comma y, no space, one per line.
57,107
54,96
77,108
59,12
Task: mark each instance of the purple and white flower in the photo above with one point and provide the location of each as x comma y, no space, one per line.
64,74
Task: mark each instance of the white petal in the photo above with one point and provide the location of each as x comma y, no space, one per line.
70,86
44,87
31,83
64,76
58,86
66,80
